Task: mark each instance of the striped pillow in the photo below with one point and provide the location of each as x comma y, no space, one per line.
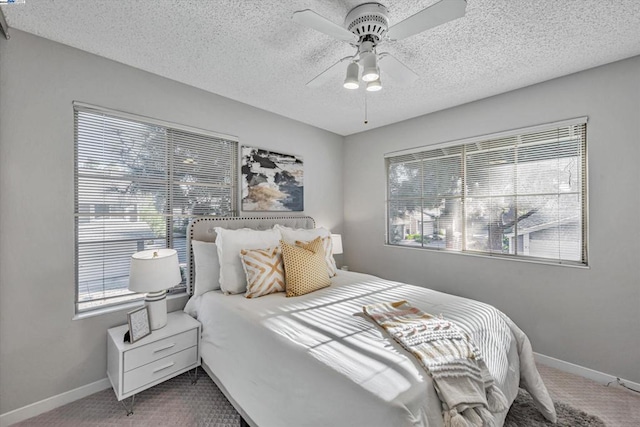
305,267
264,271
327,245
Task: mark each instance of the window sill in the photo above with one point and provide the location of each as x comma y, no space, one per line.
498,257
122,307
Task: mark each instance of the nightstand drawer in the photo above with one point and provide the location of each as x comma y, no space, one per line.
159,349
160,368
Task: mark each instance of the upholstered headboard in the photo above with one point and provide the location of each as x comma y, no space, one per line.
203,229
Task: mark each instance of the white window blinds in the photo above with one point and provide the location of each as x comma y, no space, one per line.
138,183
517,194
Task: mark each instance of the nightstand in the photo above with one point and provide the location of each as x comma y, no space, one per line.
165,353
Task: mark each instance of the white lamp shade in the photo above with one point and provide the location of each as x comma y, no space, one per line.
351,81
374,86
336,244
370,70
154,270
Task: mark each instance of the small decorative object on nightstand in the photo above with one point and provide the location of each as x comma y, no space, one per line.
138,321
167,352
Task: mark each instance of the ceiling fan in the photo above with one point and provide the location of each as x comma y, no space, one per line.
366,27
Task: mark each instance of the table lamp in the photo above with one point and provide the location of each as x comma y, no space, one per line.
154,271
336,243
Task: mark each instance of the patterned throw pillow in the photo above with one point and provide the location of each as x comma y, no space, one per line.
305,267
327,245
264,271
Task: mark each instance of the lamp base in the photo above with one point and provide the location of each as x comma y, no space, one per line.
156,303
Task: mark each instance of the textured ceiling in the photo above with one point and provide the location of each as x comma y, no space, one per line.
252,51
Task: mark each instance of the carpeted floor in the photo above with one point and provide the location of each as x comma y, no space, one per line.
523,413
178,403
616,406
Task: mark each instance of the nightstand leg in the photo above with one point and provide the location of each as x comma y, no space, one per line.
195,376
130,409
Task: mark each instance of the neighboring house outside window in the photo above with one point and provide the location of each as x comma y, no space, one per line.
516,194
138,183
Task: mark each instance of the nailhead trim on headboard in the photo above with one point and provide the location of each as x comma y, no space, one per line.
203,229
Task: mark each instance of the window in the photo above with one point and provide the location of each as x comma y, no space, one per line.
138,183
517,194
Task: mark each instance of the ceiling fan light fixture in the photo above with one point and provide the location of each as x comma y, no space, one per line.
351,81
369,63
374,86
371,75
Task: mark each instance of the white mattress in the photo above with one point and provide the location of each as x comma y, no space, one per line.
315,360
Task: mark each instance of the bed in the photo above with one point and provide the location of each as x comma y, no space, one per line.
317,360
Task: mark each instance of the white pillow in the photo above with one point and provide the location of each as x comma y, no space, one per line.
290,235
205,258
293,235
230,243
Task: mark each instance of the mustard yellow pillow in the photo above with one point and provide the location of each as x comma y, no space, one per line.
264,271
305,268
327,245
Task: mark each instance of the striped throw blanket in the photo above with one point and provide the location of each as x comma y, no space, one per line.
461,378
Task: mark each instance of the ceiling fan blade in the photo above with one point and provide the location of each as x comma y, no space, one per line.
311,19
437,14
399,72
324,76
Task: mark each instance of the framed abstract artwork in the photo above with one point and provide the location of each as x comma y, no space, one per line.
271,181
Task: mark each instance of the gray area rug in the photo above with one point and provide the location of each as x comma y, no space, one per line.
523,413
179,403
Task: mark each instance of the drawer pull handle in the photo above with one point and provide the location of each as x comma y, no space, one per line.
166,347
162,368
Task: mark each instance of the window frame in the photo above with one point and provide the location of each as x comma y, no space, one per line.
82,210
463,196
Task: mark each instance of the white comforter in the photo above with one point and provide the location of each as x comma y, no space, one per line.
315,360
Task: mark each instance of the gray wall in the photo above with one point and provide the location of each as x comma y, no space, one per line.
590,317
44,352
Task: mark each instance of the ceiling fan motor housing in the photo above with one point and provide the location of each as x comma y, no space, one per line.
368,22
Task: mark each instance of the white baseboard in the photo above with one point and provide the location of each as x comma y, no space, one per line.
53,402
597,376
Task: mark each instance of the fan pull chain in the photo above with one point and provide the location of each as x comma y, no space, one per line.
366,119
